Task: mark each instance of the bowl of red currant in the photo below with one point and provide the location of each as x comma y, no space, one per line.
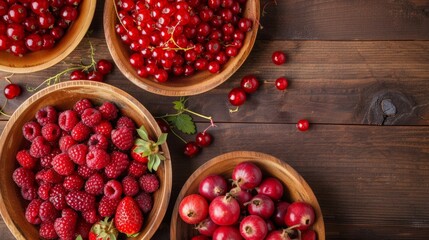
180,48
246,195
35,35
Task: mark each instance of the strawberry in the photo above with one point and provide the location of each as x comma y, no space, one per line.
128,217
148,151
103,230
138,156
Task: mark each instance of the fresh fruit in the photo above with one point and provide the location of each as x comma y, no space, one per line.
104,66
271,187
303,125
12,91
212,186
262,206
193,209
113,189
128,217
278,235
253,227
278,57
281,83
203,139
300,215
149,182
237,96
206,227
224,210
280,212
249,83
227,233
103,230
191,149
308,235
145,202
247,175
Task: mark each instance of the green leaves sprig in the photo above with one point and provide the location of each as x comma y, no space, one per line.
149,148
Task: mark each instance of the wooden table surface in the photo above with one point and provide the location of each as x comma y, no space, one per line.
346,60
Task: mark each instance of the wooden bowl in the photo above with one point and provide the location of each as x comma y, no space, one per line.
296,187
200,82
36,61
63,96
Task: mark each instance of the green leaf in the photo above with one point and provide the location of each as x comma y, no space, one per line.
79,237
152,159
157,162
140,149
178,105
140,142
143,133
161,157
162,139
171,119
185,124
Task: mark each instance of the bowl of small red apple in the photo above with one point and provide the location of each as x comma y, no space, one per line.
35,35
83,160
180,48
246,195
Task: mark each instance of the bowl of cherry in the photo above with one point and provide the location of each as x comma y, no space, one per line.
246,195
180,48
72,165
35,35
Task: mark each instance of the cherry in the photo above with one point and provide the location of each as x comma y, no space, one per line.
204,139
104,66
237,96
48,41
78,75
278,58
281,83
303,125
18,48
249,84
12,91
308,235
95,76
193,209
191,149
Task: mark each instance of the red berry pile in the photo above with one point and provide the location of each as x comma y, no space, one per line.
181,37
248,85
97,72
34,25
78,167
252,208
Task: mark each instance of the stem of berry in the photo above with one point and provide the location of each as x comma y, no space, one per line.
2,112
171,39
178,136
234,110
117,15
210,126
7,78
266,5
57,78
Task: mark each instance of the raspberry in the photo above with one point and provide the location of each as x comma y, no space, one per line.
118,164
66,142
91,117
66,224
98,141
130,186
125,122
109,111
39,147
47,115
49,176
104,128
46,160
97,159
67,120
145,202
137,169
32,211
62,164
80,132
47,212
57,197
29,193
91,216
25,159
81,105
47,231
51,132
77,153
23,177
80,201
94,184
73,182
123,138
108,206
113,189
31,130
85,172
43,191
149,183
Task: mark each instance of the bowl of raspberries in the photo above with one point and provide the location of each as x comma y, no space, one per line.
246,195
35,35
180,48
83,160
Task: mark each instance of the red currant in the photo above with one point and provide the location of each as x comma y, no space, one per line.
278,58
104,66
34,42
204,139
191,149
17,13
68,13
237,96
303,125
163,125
249,84
78,75
281,83
95,76
214,67
161,75
12,91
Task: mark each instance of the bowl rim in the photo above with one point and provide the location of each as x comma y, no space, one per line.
163,88
167,179
244,154
63,50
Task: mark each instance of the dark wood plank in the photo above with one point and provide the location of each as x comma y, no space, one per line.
346,20
330,82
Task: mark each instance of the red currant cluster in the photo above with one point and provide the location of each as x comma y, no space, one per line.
34,25
101,68
181,37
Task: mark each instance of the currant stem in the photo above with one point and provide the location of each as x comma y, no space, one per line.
2,112
210,126
117,15
7,78
177,135
234,110
198,114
